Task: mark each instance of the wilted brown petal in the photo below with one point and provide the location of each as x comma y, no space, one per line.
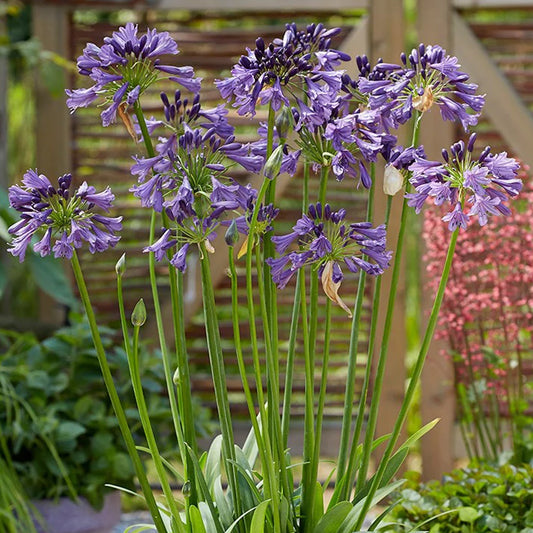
331,288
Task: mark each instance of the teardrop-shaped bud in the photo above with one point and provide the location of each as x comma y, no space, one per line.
273,164
138,317
120,267
392,180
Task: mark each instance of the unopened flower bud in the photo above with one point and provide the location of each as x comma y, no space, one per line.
209,247
283,122
120,267
273,164
138,317
392,180
232,235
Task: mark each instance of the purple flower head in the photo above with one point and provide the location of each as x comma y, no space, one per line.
271,73
124,67
64,218
485,183
425,77
322,238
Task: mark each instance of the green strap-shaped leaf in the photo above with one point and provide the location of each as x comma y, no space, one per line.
332,520
259,517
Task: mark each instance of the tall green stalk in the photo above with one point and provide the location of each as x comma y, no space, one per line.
113,396
413,383
180,343
216,359
135,376
341,487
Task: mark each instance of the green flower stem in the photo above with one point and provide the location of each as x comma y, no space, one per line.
352,364
135,376
240,359
273,388
289,372
352,463
137,109
313,470
413,382
174,408
216,359
115,400
309,426
310,440
382,359
182,378
269,472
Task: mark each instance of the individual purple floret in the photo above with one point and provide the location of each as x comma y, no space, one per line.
324,239
473,187
124,67
271,73
426,77
62,219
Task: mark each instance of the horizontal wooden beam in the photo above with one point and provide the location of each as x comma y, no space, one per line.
492,4
503,105
257,5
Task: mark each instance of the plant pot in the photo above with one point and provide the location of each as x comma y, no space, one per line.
66,516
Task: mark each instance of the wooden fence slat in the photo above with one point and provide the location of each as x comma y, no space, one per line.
503,105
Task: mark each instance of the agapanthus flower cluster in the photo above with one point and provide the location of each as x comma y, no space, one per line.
473,187
63,219
327,242
188,178
273,74
426,77
124,67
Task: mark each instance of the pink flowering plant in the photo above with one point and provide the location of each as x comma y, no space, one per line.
489,334
334,124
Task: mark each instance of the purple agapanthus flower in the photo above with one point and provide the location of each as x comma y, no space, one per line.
272,73
63,220
473,187
426,77
322,238
124,67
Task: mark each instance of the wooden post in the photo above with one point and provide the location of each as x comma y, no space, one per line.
387,42
3,111
437,399
53,150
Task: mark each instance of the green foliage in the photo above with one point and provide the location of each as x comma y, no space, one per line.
53,397
477,499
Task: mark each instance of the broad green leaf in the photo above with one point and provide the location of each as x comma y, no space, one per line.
417,435
318,507
4,234
213,461
3,278
468,514
207,518
223,506
196,520
332,520
351,520
50,277
393,464
259,517
69,431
